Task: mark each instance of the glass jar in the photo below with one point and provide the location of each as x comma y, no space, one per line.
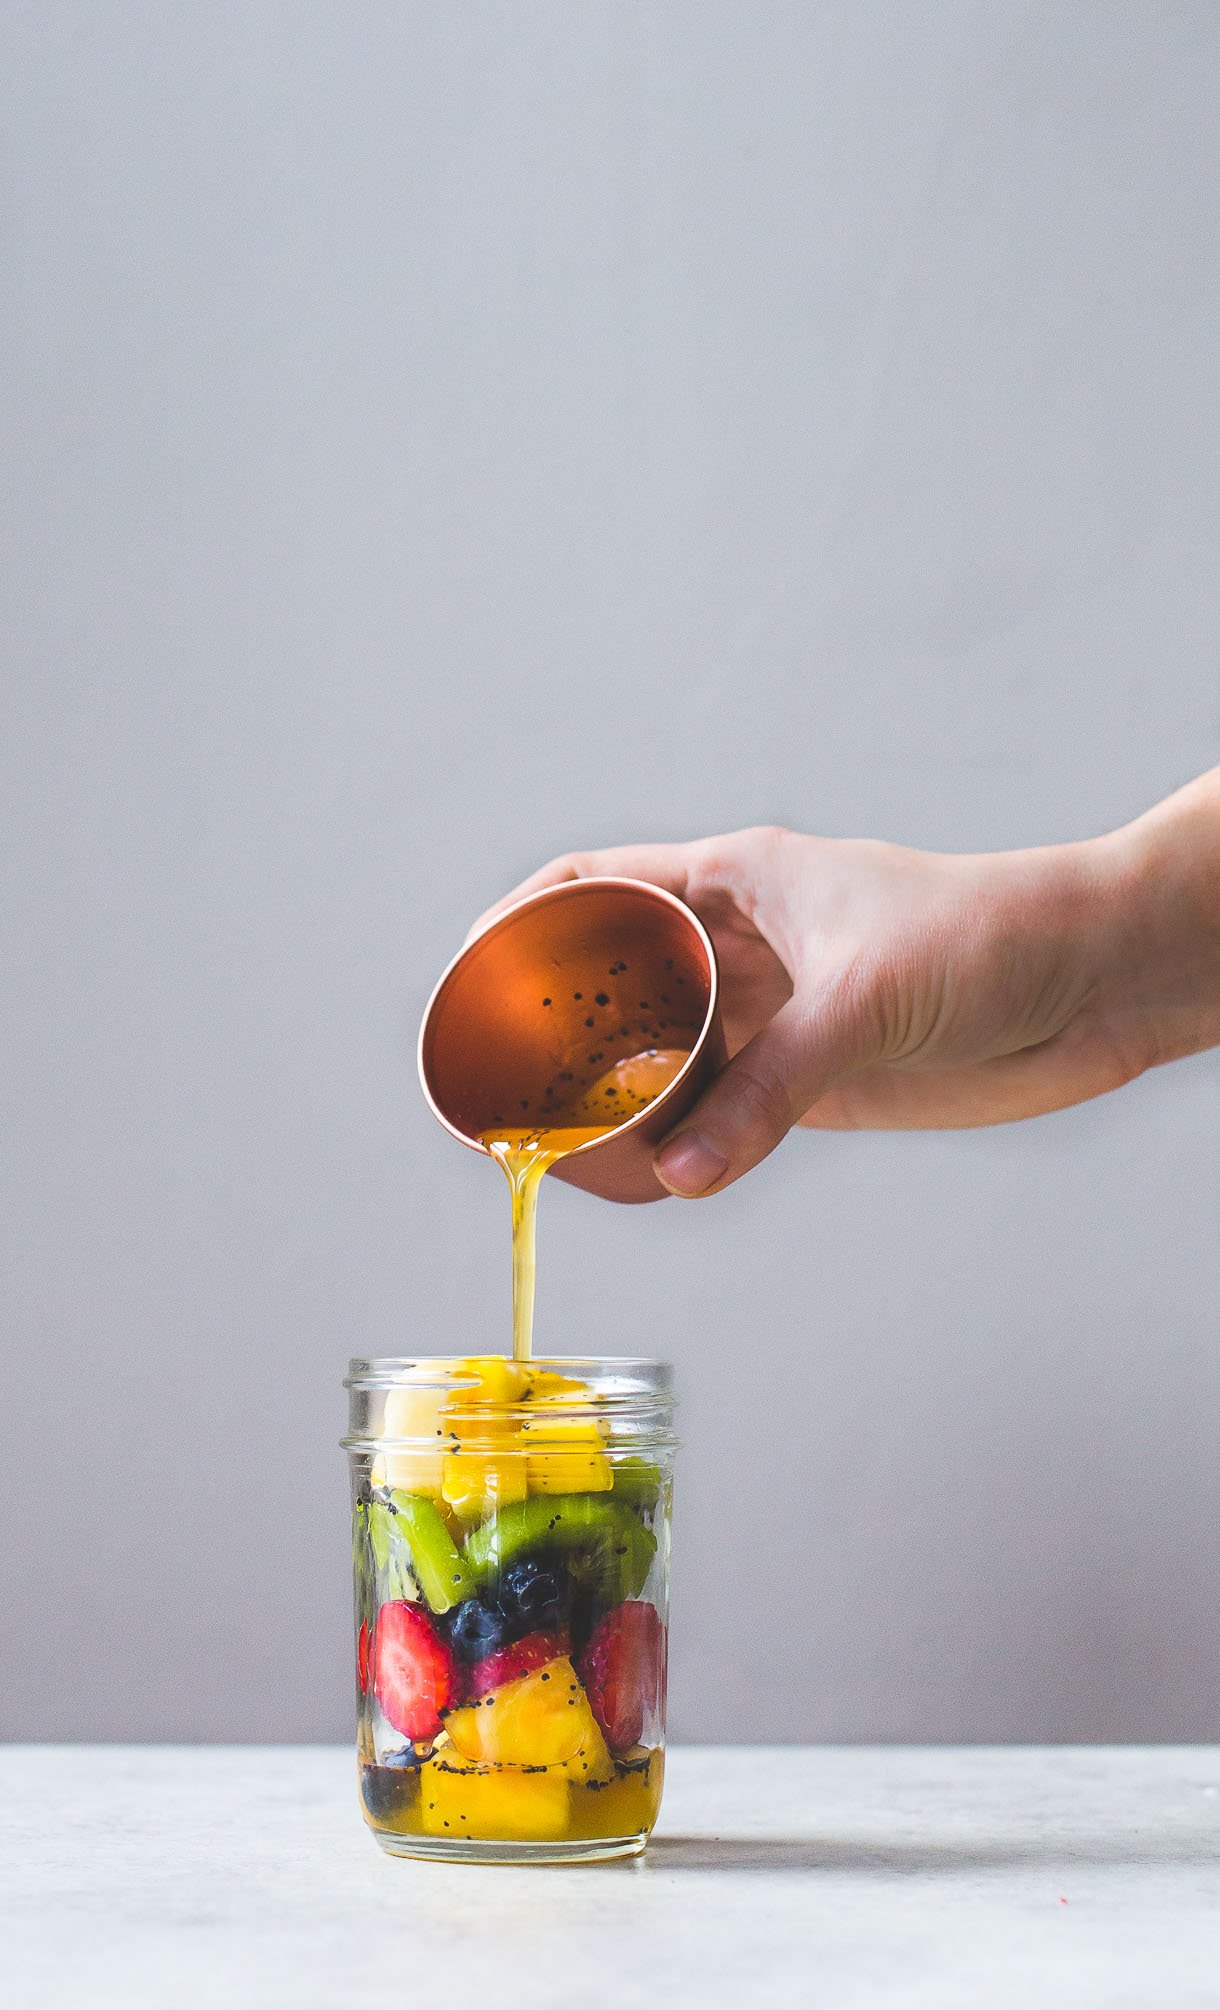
510,1547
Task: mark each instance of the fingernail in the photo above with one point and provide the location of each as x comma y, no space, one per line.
689,1164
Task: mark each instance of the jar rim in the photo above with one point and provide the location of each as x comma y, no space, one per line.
650,1377
632,1395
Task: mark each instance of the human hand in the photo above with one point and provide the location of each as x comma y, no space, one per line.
866,986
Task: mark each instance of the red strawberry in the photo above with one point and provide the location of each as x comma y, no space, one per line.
623,1670
412,1670
362,1657
522,1658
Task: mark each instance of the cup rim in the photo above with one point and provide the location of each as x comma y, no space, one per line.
565,888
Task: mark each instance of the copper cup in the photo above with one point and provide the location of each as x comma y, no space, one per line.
549,996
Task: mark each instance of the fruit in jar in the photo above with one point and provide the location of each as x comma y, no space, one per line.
490,1381
362,1657
389,1787
534,1594
439,1565
622,1668
412,1411
486,1473
625,1805
484,1464
460,1798
592,1765
476,1628
381,1552
638,1481
413,1670
541,1719
566,1452
510,1431
508,1664
602,1538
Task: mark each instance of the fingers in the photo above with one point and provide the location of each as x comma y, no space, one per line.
758,1097
664,865
696,871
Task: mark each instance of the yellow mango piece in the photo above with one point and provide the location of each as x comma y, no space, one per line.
568,1460
541,1719
475,1486
628,1806
477,1482
461,1799
484,1467
566,1452
498,1380
412,1413
545,1385
488,1462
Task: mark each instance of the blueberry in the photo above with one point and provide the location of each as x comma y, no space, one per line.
585,1613
388,1787
477,1628
535,1595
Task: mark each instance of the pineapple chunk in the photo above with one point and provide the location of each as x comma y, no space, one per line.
592,1766
541,1719
461,1799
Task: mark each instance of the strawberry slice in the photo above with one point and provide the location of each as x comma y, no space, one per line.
362,1657
523,1657
623,1670
412,1670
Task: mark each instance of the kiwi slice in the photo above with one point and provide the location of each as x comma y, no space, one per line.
443,1573
602,1538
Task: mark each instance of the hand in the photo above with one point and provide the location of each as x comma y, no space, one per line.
870,987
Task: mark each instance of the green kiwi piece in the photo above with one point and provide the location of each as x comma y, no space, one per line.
604,1536
637,1481
384,1568
443,1573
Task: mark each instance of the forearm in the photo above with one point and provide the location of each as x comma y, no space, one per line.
1160,978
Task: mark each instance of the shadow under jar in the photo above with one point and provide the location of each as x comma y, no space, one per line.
510,1549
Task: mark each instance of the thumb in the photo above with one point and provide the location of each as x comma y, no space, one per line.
753,1103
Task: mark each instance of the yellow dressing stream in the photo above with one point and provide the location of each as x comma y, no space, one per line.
612,1100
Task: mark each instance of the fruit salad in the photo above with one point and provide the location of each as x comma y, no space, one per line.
510,1560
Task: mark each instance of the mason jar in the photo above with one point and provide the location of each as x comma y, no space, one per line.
510,1550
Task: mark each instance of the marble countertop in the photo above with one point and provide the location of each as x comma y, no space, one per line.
851,1878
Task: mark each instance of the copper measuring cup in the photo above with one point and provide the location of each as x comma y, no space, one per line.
552,993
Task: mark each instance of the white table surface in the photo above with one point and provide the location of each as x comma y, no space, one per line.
179,1877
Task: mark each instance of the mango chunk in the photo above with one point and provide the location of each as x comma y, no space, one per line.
498,1381
475,1482
566,1456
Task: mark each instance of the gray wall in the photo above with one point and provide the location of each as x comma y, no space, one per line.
443,435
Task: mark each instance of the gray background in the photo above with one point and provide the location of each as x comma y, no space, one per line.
441,435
